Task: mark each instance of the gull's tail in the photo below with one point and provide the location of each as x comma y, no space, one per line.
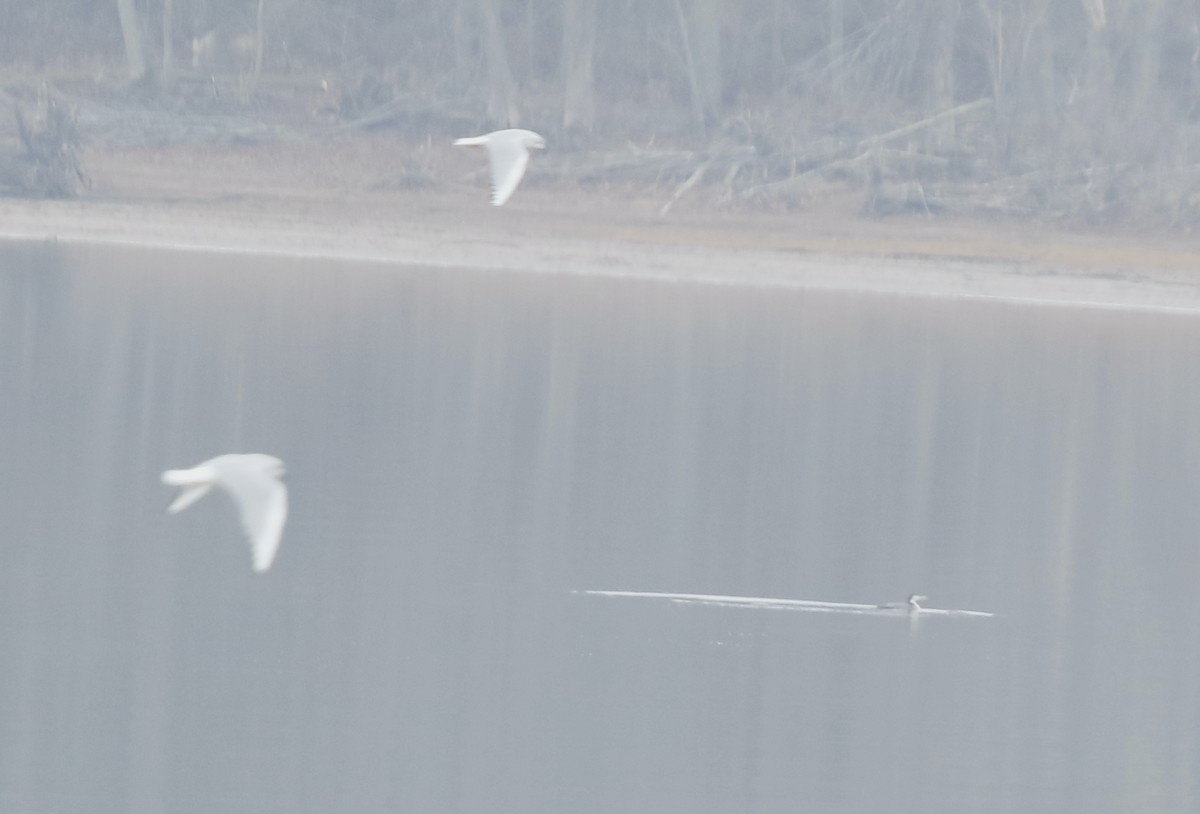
196,484
473,141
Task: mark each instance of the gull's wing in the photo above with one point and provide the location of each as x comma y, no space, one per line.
264,526
188,496
509,157
253,483
196,483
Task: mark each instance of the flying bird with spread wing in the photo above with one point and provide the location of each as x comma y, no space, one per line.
508,154
253,482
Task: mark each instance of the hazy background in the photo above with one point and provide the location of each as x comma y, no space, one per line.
466,449
1087,110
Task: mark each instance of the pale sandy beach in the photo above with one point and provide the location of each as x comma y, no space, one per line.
336,203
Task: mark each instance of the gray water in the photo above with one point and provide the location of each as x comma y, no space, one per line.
466,450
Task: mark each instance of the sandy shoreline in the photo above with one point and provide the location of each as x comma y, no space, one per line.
255,206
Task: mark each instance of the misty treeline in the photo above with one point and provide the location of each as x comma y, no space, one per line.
1073,107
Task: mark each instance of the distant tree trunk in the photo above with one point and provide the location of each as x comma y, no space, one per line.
700,32
168,26
837,38
464,63
940,88
706,45
1009,60
501,89
579,42
776,44
1144,104
131,30
259,38
530,38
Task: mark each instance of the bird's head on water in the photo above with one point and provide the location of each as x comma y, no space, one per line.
914,600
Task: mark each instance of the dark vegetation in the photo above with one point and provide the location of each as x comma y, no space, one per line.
1079,110
47,164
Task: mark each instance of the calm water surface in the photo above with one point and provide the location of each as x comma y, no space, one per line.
467,449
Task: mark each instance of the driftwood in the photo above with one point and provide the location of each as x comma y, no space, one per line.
868,150
407,112
960,178
692,180
937,118
746,173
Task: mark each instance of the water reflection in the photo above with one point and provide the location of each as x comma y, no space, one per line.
467,449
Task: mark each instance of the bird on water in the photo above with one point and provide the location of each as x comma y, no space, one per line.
912,604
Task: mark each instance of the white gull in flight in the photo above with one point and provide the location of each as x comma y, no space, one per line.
508,154
253,482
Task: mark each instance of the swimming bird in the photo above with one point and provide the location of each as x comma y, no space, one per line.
508,154
912,605
253,482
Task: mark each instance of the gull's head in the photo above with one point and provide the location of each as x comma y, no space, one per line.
533,141
914,601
